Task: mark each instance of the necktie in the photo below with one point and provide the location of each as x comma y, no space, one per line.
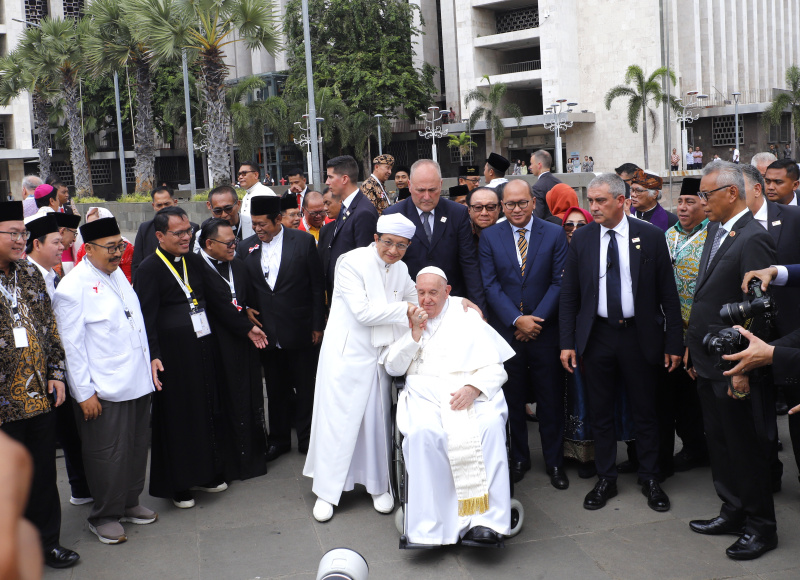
715,246
613,281
523,249
426,224
299,200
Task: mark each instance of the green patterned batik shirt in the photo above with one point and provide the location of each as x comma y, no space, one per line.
685,249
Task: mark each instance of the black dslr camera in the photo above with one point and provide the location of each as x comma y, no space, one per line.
757,314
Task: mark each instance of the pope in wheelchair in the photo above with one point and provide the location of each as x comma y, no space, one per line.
452,415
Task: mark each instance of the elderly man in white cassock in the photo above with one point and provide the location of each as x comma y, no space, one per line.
452,415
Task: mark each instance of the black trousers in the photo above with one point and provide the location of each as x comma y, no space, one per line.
38,435
739,448
290,376
535,368
613,359
68,437
679,411
792,394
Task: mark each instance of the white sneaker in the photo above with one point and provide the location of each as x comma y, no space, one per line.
384,503
139,515
109,533
323,511
80,500
215,489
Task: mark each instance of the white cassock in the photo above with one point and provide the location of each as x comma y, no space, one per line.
245,221
350,430
436,444
106,352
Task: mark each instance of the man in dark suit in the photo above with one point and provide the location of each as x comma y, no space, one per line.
146,241
355,225
782,178
444,233
521,263
735,423
286,280
541,161
618,296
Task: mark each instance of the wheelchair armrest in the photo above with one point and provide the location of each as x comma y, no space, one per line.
400,383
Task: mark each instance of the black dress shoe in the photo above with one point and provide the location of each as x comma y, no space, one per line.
717,526
603,491
558,477
518,469
752,546
275,451
481,535
587,470
656,498
60,557
684,461
628,466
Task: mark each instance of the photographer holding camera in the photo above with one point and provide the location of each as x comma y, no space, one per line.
735,411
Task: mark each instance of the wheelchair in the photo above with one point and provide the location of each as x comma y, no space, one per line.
400,486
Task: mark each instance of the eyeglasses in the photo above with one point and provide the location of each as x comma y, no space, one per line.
316,213
187,233
704,194
17,236
638,191
222,210
472,179
245,173
573,225
229,245
388,245
112,249
510,205
490,207
73,232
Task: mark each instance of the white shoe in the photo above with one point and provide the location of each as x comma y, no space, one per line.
214,489
384,503
80,500
323,511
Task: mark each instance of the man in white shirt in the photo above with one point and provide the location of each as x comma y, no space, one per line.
736,155
495,170
298,186
689,159
44,248
108,365
248,178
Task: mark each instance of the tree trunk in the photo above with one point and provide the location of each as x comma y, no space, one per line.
77,148
42,133
217,130
644,136
144,149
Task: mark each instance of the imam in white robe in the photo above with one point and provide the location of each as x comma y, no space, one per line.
432,374
350,430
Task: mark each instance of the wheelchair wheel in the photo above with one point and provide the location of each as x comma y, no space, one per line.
517,517
399,520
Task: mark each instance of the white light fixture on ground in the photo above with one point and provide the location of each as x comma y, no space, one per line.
342,564
432,130
559,121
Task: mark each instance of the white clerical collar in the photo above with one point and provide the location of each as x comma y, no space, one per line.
728,225
621,228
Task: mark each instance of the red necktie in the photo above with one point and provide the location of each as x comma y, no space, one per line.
299,199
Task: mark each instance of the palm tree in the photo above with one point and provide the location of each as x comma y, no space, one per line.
52,54
789,99
111,47
203,28
15,78
248,116
489,109
642,91
463,142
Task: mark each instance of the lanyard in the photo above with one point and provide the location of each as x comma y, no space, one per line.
207,258
115,287
184,284
676,250
12,300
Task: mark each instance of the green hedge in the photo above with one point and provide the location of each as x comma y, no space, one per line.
202,195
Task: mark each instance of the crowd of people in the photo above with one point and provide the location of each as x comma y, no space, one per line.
598,317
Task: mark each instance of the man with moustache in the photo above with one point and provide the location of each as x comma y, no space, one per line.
108,363
298,186
469,176
248,179
314,214
484,210
645,190
372,187
782,179
224,203
292,215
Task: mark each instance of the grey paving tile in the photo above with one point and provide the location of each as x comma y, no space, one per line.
422,565
666,549
265,551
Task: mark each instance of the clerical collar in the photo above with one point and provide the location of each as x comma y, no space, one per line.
646,215
169,255
697,228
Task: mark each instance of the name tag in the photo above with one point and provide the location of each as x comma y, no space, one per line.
200,323
20,337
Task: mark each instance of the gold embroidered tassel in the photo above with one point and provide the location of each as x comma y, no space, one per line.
473,505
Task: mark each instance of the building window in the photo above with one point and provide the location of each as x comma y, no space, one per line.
519,19
424,149
3,144
73,8
723,131
101,172
781,133
64,171
130,174
35,10
456,157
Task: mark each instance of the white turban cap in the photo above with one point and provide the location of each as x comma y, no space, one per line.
396,225
432,270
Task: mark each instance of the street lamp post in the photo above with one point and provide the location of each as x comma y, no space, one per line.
736,96
687,116
380,142
432,131
557,123
304,140
313,168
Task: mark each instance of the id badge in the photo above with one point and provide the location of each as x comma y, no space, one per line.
200,323
20,337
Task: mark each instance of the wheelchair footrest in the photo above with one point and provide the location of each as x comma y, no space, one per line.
406,545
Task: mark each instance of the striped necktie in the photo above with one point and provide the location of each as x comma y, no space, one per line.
523,248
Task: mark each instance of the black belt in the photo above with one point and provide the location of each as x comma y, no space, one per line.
624,323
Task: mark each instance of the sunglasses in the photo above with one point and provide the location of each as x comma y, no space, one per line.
573,225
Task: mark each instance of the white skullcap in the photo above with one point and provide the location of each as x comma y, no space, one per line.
396,225
432,270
